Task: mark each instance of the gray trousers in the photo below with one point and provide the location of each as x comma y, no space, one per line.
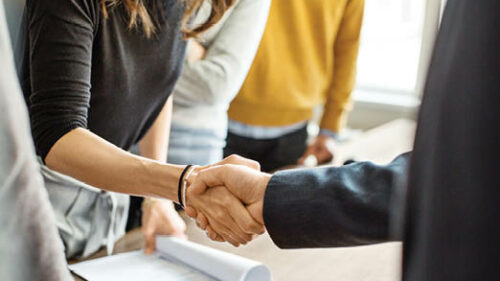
87,218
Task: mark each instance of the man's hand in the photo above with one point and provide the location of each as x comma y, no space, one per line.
247,184
160,218
322,148
195,51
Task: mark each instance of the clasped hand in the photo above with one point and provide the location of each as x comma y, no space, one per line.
226,199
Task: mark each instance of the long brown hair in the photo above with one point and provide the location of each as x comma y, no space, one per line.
138,12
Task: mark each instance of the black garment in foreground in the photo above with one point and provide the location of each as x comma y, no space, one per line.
451,226
79,69
272,154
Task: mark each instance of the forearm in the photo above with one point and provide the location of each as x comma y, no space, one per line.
217,78
331,207
338,101
91,159
344,74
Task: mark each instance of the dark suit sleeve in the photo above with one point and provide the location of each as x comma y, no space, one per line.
333,207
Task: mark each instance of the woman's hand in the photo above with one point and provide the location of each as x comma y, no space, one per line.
159,217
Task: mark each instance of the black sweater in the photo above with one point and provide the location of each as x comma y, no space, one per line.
79,69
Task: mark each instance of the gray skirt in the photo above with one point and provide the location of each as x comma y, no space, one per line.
87,218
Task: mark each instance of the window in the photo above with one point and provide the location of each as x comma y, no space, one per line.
391,41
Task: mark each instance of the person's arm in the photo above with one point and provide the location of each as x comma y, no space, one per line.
333,207
217,77
342,84
344,71
91,159
61,39
323,207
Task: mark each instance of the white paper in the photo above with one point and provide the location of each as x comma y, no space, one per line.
136,266
223,266
174,260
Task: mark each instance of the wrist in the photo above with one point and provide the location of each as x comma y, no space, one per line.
326,133
262,185
189,170
257,209
160,180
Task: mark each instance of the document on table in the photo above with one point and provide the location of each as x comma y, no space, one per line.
174,260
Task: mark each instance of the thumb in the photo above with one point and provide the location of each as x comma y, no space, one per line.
213,176
256,211
150,246
191,212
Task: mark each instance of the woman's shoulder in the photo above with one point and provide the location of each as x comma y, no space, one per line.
65,9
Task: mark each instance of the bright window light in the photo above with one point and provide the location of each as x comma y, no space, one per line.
390,46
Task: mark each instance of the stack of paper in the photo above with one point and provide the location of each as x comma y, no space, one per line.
174,260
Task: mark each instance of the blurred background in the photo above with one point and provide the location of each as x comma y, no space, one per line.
397,39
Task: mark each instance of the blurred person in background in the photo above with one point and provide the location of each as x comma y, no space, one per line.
215,66
307,57
30,248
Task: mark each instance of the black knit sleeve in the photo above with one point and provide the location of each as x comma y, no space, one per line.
60,37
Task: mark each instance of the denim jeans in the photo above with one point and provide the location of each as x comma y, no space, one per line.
194,146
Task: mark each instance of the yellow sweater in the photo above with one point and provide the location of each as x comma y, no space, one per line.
307,57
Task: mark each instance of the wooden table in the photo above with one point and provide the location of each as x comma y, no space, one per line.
368,263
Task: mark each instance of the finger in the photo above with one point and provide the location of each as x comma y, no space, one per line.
255,211
222,231
220,226
239,160
213,235
232,210
150,242
323,156
191,212
232,230
244,220
202,221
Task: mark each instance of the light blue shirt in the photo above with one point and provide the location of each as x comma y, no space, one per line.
269,132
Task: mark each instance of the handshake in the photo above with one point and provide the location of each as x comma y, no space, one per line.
227,199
